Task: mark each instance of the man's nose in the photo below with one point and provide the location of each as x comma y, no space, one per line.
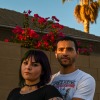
65,51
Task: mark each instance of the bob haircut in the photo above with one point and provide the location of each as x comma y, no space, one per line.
41,58
67,38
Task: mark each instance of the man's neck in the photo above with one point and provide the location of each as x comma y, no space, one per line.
67,70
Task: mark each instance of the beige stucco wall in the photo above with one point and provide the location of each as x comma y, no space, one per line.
10,56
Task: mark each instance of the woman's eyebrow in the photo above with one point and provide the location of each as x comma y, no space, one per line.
35,62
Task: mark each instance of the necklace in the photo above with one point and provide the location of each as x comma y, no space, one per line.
30,87
32,84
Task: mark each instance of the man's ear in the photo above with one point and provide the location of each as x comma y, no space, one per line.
77,53
56,54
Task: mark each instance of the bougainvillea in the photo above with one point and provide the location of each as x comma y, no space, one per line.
85,49
44,35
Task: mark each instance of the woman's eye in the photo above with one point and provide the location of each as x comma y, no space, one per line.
35,65
25,62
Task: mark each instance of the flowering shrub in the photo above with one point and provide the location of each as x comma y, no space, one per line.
29,38
85,49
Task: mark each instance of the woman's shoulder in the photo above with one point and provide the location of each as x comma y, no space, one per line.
15,90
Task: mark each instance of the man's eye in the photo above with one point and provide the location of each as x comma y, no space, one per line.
61,49
70,49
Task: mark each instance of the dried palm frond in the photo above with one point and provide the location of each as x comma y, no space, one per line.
87,12
77,13
84,12
91,1
63,1
99,2
94,6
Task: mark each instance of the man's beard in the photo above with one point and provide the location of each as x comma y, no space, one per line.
65,65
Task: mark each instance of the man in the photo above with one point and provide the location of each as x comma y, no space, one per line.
73,83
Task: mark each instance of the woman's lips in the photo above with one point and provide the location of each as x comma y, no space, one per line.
26,72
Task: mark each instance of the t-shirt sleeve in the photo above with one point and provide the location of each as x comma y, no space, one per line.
85,89
52,92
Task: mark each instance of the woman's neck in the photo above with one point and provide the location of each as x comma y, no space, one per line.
30,83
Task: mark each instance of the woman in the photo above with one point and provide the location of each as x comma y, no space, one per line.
34,75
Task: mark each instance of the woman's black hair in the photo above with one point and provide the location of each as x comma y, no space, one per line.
41,58
67,38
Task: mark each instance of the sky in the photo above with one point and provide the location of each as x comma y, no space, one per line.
48,8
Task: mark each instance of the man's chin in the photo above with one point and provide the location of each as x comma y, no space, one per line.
65,65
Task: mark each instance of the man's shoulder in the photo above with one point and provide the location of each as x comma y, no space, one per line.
83,73
85,76
56,74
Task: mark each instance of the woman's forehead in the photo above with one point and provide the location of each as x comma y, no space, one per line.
30,58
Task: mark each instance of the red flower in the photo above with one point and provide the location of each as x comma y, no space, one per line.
45,37
41,20
33,34
36,15
20,37
46,44
29,11
78,43
90,49
38,45
61,34
6,40
17,30
26,15
54,18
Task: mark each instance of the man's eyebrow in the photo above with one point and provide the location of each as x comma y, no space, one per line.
68,47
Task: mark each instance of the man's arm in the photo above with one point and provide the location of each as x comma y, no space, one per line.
85,89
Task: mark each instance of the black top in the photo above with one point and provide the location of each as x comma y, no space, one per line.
45,93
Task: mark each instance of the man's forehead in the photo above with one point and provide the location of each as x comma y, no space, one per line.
65,43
